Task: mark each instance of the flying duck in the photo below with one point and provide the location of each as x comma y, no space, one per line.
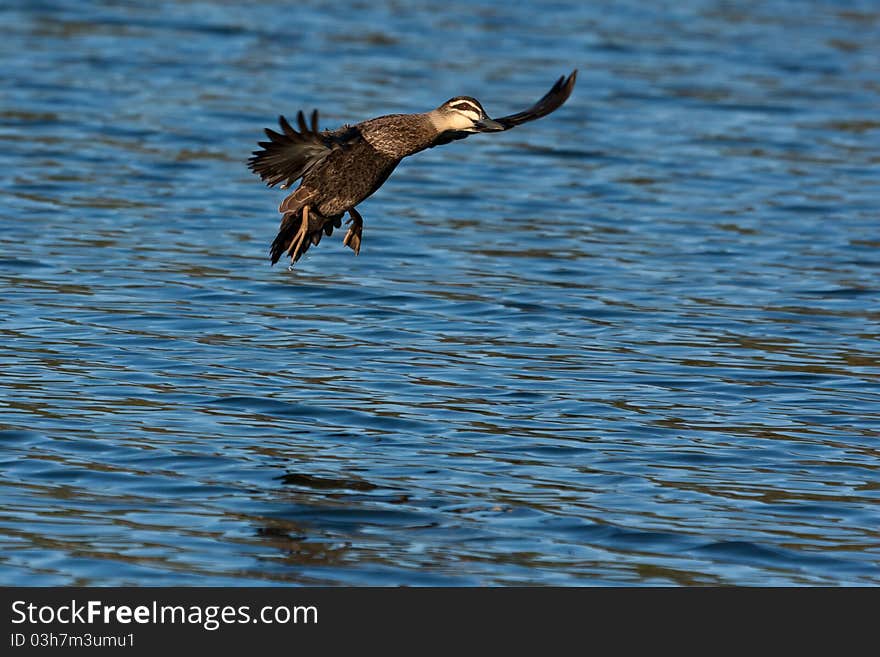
340,168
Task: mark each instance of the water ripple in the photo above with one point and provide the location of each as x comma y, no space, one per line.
632,343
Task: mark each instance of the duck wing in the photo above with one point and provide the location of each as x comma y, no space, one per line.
550,102
289,155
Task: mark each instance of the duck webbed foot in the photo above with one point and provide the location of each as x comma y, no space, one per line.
355,231
325,226
313,226
299,245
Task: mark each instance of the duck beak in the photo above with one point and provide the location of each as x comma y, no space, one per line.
488,125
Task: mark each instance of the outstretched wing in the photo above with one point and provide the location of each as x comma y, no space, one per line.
289,155
551,101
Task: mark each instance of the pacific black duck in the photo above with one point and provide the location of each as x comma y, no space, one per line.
340,168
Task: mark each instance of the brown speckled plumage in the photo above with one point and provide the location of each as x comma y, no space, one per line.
340,168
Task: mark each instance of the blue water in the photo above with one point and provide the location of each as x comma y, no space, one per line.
635,342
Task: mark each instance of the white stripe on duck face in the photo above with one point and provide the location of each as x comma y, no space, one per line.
467,107
471,115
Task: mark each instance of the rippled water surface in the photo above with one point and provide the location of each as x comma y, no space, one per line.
635,342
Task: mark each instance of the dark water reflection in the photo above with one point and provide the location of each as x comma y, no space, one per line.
635,342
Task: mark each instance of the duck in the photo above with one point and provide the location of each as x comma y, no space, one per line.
338,169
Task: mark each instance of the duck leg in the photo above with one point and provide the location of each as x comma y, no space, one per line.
300,237
353,236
